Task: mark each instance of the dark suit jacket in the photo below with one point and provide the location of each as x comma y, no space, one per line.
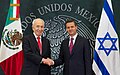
32,56
77,63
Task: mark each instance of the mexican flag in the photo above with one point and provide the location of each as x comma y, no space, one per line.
11,54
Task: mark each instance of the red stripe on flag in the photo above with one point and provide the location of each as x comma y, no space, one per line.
13,65
18,9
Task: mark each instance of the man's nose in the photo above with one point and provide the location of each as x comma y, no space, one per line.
70,28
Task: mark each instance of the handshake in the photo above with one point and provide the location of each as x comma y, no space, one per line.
48,61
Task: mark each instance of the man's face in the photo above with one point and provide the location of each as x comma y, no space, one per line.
38,27
71,28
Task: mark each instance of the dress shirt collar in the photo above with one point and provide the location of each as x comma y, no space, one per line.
36,36
74,38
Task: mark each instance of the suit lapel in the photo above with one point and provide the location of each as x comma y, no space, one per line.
43,44
76,44
36,44
67,44
34,41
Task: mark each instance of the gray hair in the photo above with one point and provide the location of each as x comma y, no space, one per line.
37,19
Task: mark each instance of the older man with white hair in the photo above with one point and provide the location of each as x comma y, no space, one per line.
36,49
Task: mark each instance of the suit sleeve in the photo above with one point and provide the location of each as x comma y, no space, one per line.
29,54
87,58
60,60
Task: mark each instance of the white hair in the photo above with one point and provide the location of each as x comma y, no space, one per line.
37,19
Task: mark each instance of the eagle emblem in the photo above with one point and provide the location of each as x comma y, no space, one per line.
12,39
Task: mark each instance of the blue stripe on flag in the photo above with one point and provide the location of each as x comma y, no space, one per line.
109,14
100,64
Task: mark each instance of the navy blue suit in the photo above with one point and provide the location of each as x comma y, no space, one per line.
77,63
32,56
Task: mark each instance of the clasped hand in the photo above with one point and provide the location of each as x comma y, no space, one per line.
48,61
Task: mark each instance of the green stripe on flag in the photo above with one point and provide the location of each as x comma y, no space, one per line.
10,14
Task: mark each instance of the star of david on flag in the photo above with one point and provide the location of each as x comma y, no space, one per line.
106,54
109,41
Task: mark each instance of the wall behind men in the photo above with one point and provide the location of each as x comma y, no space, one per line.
55,12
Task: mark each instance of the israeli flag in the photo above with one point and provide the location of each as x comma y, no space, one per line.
106,54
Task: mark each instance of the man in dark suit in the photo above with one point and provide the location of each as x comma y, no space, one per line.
75,53
36,49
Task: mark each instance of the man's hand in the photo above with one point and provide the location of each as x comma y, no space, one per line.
48,61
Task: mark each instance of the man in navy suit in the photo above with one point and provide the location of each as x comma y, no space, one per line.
75,54
35,53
